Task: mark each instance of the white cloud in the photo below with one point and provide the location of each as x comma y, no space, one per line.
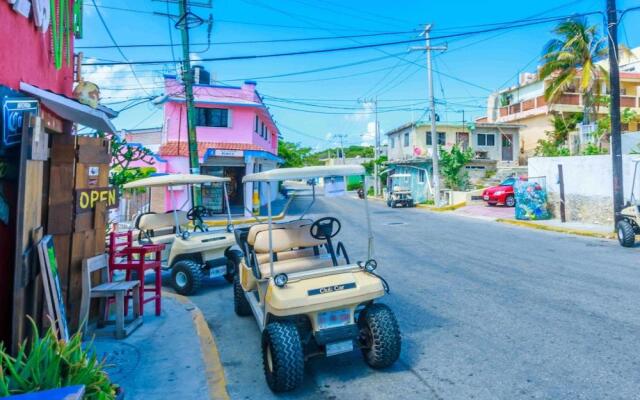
364,114
118,83
369,136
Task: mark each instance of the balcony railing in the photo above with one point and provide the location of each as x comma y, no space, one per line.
567,99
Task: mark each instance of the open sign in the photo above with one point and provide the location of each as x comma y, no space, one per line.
87,199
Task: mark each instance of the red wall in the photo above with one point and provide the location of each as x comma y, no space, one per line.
26,54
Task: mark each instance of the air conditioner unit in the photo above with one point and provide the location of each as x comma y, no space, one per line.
15,109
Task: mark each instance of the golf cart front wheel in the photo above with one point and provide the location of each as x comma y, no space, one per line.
282,356
626,234
379,336
186,277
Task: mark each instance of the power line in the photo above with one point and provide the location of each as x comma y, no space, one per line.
302,39
104,24
359,47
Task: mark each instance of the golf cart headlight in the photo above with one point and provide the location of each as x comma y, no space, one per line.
280,280
185,235
371,265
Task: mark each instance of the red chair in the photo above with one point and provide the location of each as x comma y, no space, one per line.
124,256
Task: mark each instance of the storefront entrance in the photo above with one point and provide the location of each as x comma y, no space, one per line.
212,195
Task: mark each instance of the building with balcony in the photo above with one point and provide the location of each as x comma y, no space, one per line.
409,149
525,103
236,135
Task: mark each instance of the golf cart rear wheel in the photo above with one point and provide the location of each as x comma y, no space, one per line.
231,271
282,356
379,336
240,304
186,277
626,234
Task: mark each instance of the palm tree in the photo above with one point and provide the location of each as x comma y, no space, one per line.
572,56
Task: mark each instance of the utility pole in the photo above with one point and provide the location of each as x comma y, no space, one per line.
614,110
376,151
434,135
341,137
187,79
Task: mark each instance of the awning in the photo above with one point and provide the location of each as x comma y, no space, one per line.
70,109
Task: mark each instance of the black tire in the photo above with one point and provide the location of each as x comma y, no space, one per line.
231,271
186,277
240,304
626,234
388,203
282,356
379,336
510,201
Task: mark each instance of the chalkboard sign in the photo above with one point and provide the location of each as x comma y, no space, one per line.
52,288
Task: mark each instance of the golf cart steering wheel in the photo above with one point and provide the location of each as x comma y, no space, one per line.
196,213
323,228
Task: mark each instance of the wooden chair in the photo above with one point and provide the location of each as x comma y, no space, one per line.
105,290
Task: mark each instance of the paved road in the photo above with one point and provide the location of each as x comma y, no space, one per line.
487,311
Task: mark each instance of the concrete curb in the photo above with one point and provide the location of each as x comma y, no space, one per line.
580,232
442,209
216,382
251,219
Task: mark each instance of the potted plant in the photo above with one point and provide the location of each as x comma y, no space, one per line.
45,363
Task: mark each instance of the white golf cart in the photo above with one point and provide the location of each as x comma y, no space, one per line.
400,191
307,295
191,256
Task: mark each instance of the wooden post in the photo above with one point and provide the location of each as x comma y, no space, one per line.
563,217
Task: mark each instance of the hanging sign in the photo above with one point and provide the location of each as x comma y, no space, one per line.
229,153
87,199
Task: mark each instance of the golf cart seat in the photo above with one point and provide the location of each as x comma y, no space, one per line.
157,226
263,257
293,249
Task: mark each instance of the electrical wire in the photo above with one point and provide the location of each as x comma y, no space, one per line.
104,24
303,39
356,47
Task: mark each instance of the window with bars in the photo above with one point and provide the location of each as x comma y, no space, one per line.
213,117
442,138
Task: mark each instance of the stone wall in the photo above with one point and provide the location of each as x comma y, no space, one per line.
587,183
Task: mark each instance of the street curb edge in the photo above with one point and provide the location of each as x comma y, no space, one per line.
533,225
216,381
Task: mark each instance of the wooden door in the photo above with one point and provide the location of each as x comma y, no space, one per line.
27,286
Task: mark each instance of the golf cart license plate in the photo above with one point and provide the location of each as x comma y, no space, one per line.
330,289
335,318
333,349
217,271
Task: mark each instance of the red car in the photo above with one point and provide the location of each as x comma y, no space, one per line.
501,194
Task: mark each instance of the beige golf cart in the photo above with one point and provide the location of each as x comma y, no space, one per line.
400,191
306,293
628,225
194,255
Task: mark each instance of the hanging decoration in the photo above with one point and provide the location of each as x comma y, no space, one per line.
61,31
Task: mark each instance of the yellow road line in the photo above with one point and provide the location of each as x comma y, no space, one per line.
250,220
216,381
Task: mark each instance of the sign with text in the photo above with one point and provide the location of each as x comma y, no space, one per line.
229,153
334,186
87,199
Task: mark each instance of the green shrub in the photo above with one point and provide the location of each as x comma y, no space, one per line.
47,363
354,186
593,150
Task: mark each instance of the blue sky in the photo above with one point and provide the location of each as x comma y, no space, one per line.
471,67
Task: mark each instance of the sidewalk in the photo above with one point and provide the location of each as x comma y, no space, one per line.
506,215
173,356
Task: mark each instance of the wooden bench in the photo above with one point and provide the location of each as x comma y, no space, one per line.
105,290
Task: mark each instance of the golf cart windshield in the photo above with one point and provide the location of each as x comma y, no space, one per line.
195,212
306,174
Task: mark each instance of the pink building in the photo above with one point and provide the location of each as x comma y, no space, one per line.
236,136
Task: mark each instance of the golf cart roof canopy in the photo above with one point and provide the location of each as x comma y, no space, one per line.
174,180
401,176
283,174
